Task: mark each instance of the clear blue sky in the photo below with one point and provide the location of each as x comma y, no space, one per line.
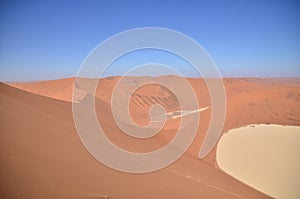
48,40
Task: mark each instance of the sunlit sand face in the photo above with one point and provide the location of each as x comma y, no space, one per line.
264,156
48,139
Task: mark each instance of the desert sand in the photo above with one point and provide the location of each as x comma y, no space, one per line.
43,157
263,156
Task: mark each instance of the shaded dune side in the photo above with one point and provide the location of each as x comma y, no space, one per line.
42,157
146,101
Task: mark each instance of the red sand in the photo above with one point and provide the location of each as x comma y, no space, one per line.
42,156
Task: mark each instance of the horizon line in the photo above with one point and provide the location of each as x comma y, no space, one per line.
148,76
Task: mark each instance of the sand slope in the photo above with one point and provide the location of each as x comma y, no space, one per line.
42,157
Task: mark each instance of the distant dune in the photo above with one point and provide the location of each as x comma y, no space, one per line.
249,100
42,156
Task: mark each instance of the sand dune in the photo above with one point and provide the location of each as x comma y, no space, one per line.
58,89
249,101
42,156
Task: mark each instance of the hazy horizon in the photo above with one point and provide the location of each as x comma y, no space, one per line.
140,76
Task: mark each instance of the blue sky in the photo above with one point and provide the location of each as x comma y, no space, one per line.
49,40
